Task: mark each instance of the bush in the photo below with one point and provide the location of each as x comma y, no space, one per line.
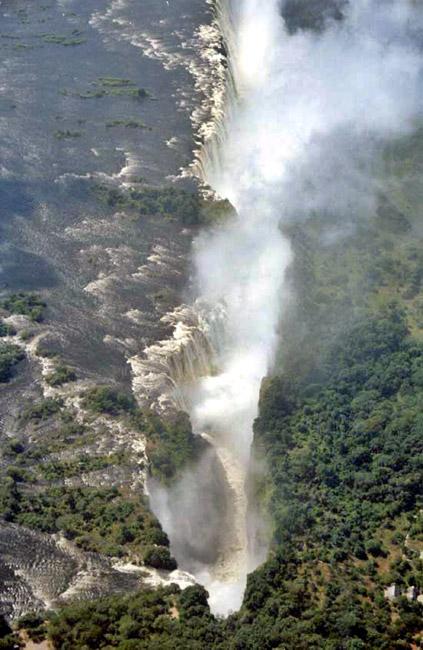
43,410
374,547
159,557
34,625
61,375
8,640
10,355
26,304
172,444
104,399
6,329
148,201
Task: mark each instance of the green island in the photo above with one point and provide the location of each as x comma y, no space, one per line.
168,202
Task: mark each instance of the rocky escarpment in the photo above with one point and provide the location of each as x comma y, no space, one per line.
75,521
39,571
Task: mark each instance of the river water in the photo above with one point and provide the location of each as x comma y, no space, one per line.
55,234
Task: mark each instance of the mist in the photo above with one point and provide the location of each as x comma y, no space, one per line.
306,111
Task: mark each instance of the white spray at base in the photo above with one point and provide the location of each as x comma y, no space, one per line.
303,114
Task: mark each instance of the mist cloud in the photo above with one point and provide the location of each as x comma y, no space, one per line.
310,111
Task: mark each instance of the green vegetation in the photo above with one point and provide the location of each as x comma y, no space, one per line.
70,435
26,304
114,521
102,520
104,399
167,202
137,93
44,350
129,124
10,355
67,41
6,329
159,557
34,625
114,87
340,435
8,639
43,410
171,444
61,375
114,82
66,135
344,465
59,470
164,619
87,94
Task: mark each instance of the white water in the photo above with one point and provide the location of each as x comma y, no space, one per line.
241,265
303,114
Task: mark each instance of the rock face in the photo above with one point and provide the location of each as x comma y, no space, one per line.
40,571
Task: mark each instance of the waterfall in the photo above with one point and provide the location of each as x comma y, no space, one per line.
238,269
165,374
241,263
298,117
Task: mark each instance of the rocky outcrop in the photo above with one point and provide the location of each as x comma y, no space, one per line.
40,571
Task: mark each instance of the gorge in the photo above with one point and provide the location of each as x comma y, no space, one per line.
291,138
211,324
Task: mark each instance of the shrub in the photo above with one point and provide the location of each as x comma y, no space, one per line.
6,329
10,355
25,304
61,375
43,410
104,399
159,557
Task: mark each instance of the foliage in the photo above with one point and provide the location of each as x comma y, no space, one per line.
345,461
114,87
103,520
61,375
340,434
167,202
8,640
43,410
171,444
34,625
159,557
164,619
10,355
104,399
6,329
58,470
67,41
66,135
129,124
26,304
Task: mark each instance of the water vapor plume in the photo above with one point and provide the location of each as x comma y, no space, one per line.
313,88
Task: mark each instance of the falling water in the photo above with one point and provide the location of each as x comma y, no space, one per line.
291,138
241,265
239,269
